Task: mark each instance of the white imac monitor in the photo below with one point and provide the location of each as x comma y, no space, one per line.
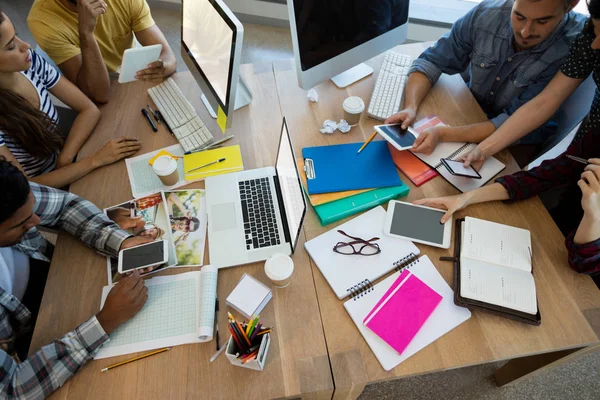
211,46
331,38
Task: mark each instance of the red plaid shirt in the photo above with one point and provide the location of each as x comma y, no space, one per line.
583,258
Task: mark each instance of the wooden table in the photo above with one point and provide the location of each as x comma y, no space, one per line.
569,303
297,364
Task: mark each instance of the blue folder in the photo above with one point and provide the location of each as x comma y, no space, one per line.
338,168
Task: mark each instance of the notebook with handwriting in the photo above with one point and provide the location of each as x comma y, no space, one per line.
347,274
454,150
402,311
445,317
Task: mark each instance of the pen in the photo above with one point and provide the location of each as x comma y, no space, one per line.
367,142
211,145
578,159
206,165
217,322
217,354
135,359
145,113
154,113
165,121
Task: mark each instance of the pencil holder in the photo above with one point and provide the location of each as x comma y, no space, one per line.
258,363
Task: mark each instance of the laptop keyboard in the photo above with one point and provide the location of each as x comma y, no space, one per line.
260,223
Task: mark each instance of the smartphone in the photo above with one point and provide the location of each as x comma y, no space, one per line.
401,139
146,255
457,168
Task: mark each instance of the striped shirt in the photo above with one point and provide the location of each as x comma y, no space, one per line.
43,76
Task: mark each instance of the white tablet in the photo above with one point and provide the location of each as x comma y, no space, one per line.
402,139
418,223
136,59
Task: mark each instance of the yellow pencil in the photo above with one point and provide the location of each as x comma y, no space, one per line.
367,142
135,359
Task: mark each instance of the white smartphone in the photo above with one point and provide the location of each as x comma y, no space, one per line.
145,255
457,168
402,139
136,59
418,223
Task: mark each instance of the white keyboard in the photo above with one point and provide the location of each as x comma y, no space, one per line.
180,115
389,88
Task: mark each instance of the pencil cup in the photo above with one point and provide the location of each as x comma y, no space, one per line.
258,363
279,269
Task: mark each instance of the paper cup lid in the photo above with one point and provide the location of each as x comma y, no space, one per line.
354,105
279,267
164,165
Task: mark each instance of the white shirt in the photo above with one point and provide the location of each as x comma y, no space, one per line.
14,271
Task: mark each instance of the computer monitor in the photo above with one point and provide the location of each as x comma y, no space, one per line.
331,38
211,46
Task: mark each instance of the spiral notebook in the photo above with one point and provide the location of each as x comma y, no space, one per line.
348,274
442,320
454,150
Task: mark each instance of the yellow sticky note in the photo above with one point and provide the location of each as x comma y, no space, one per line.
221,119
160,153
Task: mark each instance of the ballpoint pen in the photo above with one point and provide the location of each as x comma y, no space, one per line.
206,165
154,113
217,322
145,114
578,159
165,122
210,146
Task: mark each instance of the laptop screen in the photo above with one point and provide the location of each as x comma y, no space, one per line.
291,188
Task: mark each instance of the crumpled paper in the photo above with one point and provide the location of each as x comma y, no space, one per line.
344,126
329,127
313,96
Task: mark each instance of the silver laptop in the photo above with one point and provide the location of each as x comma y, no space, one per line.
256,213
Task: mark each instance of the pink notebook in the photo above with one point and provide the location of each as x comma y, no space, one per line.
402,311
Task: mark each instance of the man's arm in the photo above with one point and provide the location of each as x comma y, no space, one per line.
87,70
167,62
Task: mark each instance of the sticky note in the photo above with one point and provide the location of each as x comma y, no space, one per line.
221,119
160,153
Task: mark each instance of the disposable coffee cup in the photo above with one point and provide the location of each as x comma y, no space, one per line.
353,107
279,269
165,167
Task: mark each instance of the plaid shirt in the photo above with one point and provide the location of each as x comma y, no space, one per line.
583,258
46,370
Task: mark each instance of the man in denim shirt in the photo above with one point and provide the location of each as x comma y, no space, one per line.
508,50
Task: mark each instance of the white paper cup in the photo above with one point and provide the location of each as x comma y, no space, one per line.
279,269
353,107
165,167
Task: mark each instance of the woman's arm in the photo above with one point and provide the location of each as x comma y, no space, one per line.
175,201
87,118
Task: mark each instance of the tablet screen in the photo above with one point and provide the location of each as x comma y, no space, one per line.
417,223
401,136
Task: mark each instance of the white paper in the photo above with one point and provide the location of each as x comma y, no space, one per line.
180,309
329,127
343,126
248,295
312,95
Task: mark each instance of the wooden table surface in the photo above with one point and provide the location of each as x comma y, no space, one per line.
297,363
569,302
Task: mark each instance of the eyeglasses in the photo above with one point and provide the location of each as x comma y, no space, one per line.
357,246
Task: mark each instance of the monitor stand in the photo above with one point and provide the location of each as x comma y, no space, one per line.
243,97
352,75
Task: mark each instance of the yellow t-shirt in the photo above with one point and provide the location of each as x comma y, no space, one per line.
54,28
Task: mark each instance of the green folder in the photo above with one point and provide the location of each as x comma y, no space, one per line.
342,208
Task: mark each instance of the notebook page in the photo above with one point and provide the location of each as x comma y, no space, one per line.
491,167
207,294
505,287
497,244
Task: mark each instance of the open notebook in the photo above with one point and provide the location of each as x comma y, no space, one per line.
442,320
349,274
180,309
496,267
454,150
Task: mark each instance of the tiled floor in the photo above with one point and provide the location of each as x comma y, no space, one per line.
578,380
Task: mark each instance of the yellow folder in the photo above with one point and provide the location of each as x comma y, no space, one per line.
231,154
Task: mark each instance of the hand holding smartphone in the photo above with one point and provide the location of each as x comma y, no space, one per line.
401,139
457,168
143,256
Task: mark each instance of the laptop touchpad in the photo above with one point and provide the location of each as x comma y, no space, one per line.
223,217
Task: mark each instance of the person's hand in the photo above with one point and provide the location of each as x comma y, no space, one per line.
124,300
590,189
88,12
475,157
406,117
428,140
135,241
450,203
116,150
63,160
154,72
122,217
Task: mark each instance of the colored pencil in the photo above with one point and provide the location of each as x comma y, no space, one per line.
367,142
135,359
255,332
234,335
263,332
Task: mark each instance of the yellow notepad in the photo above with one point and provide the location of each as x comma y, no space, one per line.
231,154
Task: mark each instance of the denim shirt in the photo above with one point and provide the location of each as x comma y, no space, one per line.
481,44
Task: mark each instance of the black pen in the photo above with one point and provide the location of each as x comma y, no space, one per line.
206,165
165,121
145,113
154,113
217,323
578,159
